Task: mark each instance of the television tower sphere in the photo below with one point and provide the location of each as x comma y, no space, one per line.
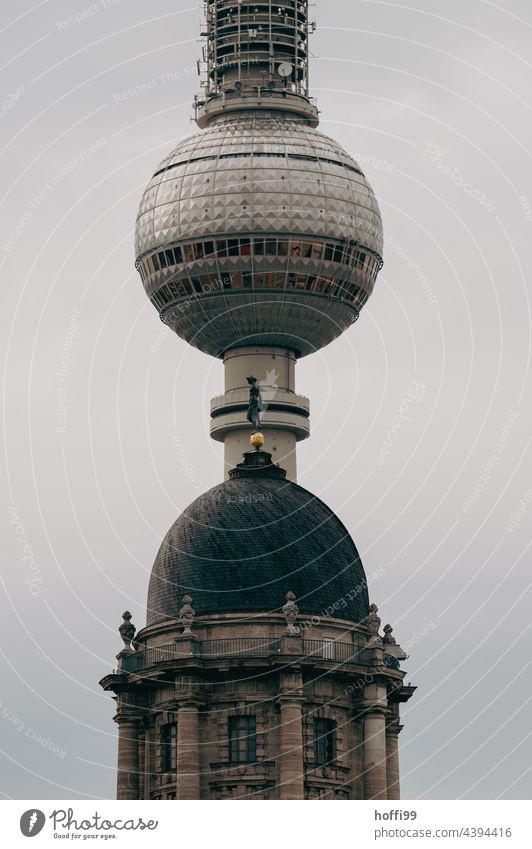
260,230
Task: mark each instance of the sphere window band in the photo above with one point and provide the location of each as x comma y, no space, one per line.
273,246
171,292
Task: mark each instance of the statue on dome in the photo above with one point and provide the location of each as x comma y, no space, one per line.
127,631
255,403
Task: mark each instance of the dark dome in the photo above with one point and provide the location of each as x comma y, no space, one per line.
241,546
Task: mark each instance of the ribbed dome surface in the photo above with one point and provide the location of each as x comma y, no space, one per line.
244,544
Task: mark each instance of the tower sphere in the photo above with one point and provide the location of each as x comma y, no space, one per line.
259,230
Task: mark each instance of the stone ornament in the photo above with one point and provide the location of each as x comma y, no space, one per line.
373,623
187,614
290,613
127,631
388,639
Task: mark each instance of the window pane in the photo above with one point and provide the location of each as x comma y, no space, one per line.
178,256
169,257
242,739
258,247
295,248
324,741
168,747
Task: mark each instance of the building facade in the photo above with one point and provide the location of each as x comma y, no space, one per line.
262,672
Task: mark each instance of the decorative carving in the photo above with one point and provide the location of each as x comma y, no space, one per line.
388,639
290,613
187,614
373,622
255,403
127,631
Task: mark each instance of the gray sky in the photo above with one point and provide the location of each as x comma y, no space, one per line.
434,100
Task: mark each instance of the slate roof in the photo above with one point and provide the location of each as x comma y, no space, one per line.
241,546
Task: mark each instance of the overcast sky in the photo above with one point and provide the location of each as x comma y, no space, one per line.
421,413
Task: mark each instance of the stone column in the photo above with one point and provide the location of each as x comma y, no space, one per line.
127,784
142,760
291,771
188,762
149,756
375,755
392,760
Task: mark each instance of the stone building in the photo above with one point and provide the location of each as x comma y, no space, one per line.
261,672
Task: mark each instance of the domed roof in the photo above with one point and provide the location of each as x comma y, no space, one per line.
258,174
244,544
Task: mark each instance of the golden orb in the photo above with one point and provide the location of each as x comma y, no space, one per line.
257,440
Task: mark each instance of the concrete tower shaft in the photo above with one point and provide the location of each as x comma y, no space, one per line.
256,57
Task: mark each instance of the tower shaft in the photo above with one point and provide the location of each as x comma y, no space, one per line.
285,415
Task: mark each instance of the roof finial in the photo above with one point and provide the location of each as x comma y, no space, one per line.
127,631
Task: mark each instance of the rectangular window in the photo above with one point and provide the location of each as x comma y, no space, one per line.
168,747
270,248
258,247
187,252
232,247
178,256
209,248
338,254
329,252
169,258
316,250
324,741
245,247
282,248
242,739
221,246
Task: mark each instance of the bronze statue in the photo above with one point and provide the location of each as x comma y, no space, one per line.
255,403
